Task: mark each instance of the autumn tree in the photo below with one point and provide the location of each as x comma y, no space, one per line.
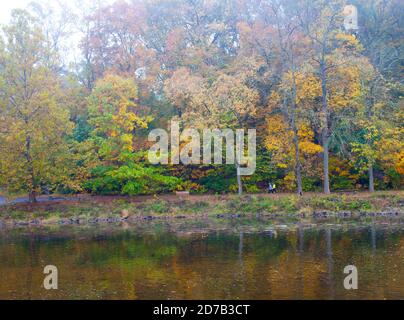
380,33
285,49
331,53
35,123
114,115
279,141
226,102
368,124
376,124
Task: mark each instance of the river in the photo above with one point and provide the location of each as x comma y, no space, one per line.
159,260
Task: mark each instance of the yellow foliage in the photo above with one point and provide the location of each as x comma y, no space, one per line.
114,114
279,140
390,149
349,41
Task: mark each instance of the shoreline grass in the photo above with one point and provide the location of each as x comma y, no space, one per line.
115,209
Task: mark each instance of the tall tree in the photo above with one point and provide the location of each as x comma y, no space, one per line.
331,53
32,141
290,45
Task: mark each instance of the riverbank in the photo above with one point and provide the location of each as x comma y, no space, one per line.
115,209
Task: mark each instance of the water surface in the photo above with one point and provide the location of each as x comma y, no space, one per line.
162,261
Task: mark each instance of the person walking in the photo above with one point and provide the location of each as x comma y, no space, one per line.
270,188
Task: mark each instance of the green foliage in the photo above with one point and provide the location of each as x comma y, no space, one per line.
342,183
101,182
220,179
311,184
82,129
130,179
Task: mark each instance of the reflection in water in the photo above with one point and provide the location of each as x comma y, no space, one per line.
162,262
330,261
373,232
240,274
300,267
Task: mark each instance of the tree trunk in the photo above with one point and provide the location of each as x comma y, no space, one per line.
325,162
32,194
239,182
371,179
32,197
324,127
298,166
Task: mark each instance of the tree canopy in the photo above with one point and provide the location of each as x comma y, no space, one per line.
326,101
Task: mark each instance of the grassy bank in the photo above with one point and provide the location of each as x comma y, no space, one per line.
115,209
